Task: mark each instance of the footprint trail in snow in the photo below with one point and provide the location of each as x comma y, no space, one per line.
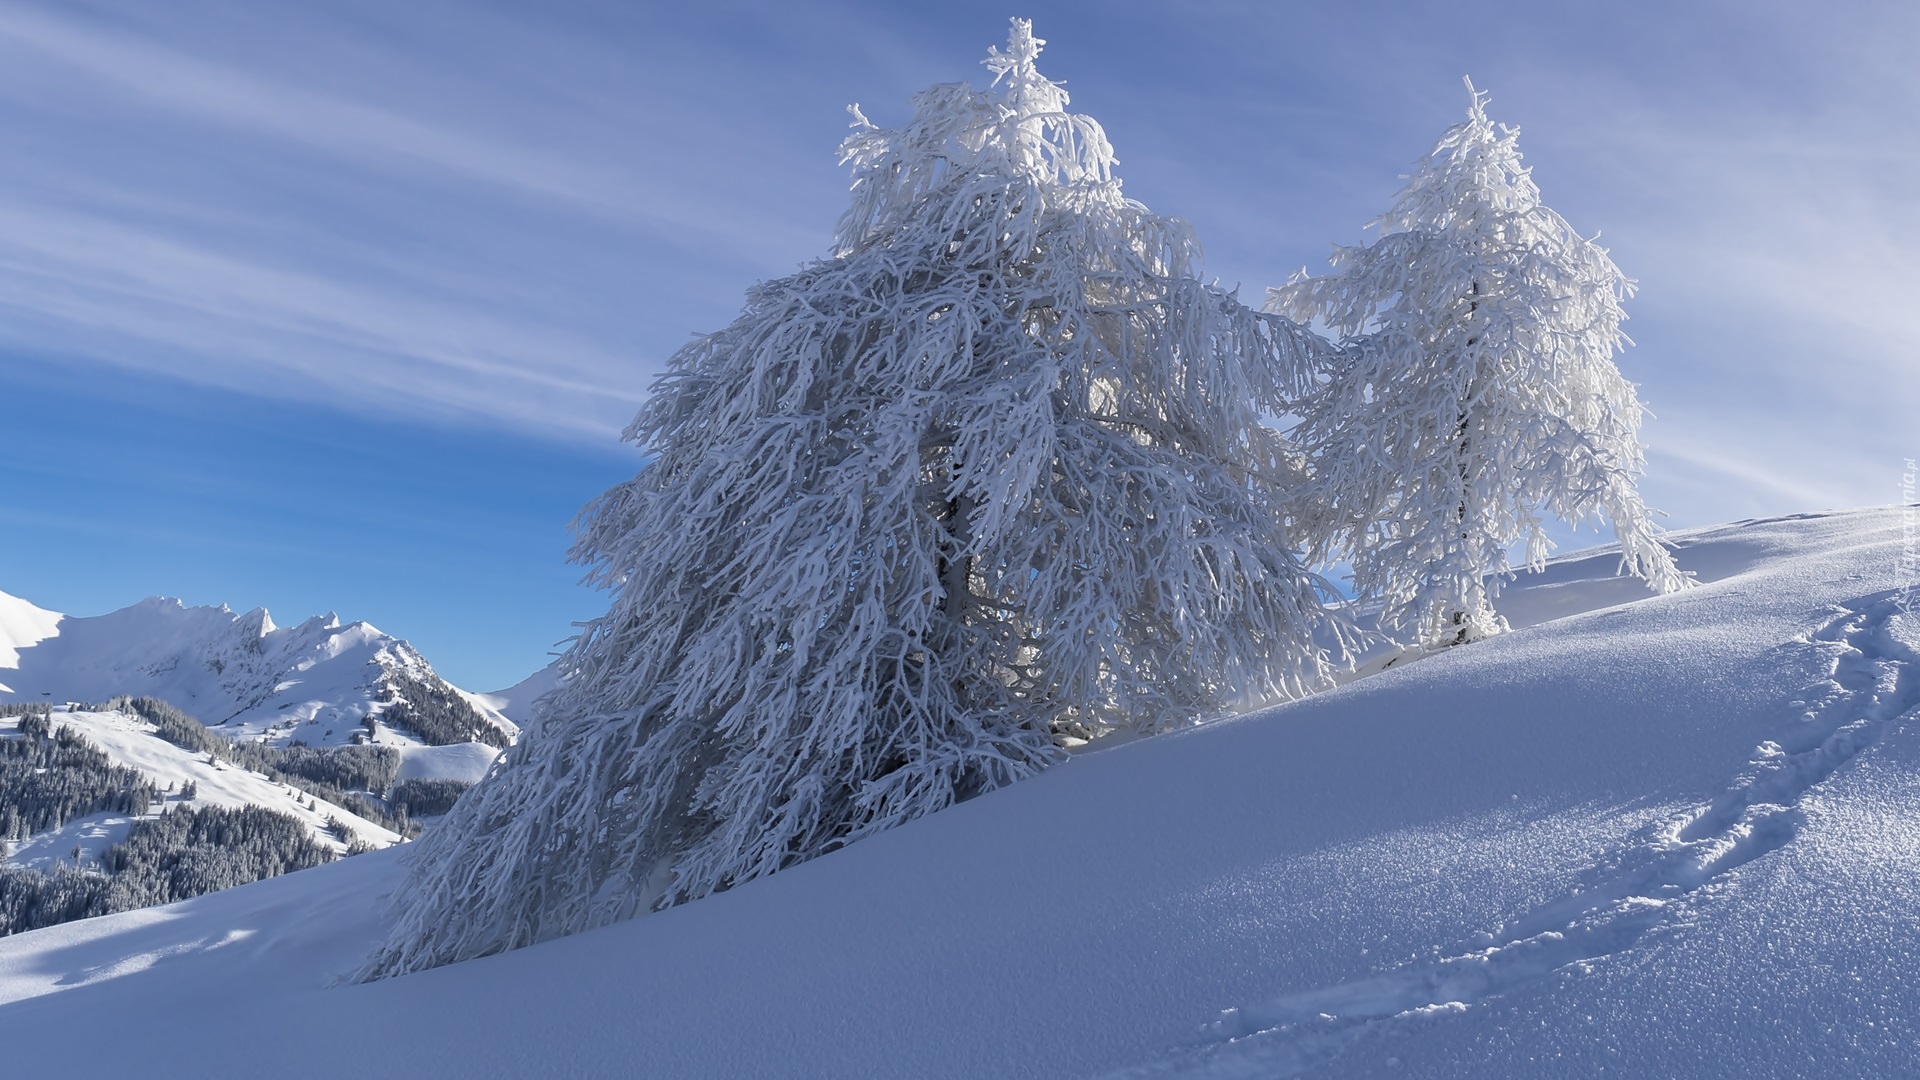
1873,682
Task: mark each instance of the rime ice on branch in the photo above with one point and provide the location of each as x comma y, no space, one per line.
1478,391
991,476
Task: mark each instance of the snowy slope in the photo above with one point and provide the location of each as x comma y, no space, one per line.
1645,836
516,701
466,762
129,742
22,625
239,674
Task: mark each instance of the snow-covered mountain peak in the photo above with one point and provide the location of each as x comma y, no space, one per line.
257,623
22,625
317,682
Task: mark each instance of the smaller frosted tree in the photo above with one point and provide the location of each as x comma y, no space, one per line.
1476,393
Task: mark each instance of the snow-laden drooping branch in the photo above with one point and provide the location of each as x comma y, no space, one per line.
991,477
1477,392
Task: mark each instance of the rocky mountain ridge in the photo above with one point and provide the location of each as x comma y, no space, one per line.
319,682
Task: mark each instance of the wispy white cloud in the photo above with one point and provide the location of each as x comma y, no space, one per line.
1777,251
370,226
245,325
1726,481
514,214
1748,163
147,76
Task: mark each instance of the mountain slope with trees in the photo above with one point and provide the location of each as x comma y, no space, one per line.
133,803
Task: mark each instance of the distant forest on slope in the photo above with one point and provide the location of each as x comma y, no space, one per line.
50,775
183,853
435,715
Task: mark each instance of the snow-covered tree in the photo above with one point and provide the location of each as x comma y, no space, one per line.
1476,393
989,479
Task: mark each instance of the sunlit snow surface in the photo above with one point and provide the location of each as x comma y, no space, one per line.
1669,836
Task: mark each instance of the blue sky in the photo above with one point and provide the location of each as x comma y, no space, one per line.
342,306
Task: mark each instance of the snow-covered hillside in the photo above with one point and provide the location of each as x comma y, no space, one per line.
314,683
1639,836
516,701
129,742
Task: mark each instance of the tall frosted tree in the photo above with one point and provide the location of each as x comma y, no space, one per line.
989,479
1477,392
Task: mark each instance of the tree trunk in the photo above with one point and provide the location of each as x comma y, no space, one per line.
956,568
1463,441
